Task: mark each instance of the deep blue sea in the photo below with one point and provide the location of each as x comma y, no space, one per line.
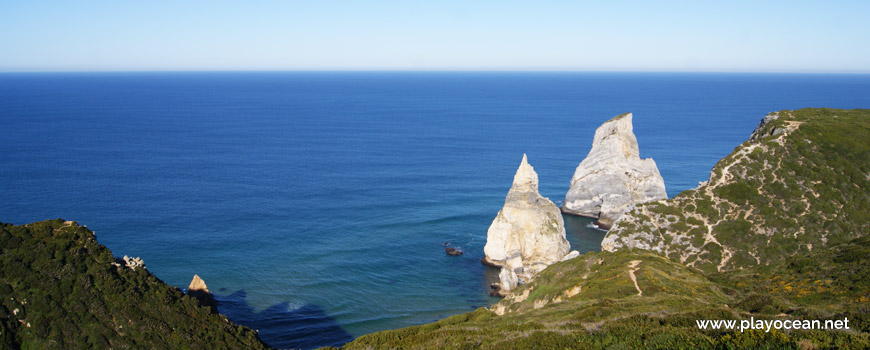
316,205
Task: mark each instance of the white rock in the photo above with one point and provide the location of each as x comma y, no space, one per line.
130,262
199,290
612,178
197,284
528,234
508,279
573,254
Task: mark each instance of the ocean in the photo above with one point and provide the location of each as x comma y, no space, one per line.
316,205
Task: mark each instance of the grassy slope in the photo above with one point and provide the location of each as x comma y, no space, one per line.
797,189
59,290
778,195
608,313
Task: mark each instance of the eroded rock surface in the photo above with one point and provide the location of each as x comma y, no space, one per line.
528,234
613,178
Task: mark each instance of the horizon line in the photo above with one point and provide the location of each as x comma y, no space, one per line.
457,70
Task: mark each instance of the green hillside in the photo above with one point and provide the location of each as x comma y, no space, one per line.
61,289
606,312
800,183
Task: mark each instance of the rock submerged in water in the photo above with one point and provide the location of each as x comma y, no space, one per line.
453,251
527,235
199,290
613,178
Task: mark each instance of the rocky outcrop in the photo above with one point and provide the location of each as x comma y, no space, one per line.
199,290
528,234
129,262
767,128
613,178
573,254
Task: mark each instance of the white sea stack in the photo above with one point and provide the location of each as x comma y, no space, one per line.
613,178
528,234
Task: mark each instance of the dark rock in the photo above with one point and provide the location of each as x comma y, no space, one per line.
495,290
453,251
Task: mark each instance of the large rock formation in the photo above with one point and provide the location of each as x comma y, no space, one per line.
528,234
613,178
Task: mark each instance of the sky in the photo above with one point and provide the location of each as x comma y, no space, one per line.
706,36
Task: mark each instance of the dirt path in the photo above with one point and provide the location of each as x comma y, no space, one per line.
632,266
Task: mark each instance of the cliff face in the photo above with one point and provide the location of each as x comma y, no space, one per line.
798,184
613,178
62,290
528,234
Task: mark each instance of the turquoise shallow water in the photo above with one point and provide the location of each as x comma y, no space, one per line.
316,205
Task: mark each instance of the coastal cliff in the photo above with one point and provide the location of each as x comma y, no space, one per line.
797,185
612,178
62,290
527,234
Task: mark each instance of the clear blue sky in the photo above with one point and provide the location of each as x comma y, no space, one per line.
745,36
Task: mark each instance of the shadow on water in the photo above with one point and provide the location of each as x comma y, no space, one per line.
285,327
582,234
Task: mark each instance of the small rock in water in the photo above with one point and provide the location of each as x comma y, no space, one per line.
453,251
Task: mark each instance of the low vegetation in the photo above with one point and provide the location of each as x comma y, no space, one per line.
607,312
799,184
60,289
